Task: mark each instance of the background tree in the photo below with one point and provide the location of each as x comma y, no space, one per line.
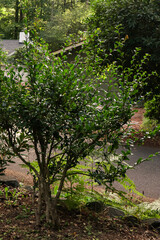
139,22
64,25
55,19
11,18
6,154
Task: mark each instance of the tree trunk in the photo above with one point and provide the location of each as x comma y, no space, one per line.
51,209
52,10
21,15
40,200
16,18
64,5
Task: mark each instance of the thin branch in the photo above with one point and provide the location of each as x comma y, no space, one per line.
55,156
35,141
77,173
50,152
57,143
58,166
61,184
19,155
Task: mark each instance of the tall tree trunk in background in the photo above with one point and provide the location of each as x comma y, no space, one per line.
58,3
16,18
41,7
64,5
21,15
52,10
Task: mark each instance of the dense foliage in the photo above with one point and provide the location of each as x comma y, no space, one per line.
139,24
54,20
63,112
153,108
66,26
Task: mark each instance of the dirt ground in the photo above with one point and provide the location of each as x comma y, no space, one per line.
17,221
137,119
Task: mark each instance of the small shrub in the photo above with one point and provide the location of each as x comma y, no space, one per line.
148,125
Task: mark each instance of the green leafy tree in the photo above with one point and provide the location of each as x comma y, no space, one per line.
11,18
138,21
6,154
49,15
63,24
64,111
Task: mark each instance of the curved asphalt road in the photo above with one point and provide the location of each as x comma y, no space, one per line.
146,176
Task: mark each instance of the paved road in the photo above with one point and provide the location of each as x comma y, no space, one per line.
146,176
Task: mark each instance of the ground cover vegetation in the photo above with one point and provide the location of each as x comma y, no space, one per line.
138,23
17,218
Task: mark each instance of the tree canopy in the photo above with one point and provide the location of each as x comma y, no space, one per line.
54,20
139,25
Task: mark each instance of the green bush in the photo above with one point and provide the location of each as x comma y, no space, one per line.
153,108
58,111
65,112
149,124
